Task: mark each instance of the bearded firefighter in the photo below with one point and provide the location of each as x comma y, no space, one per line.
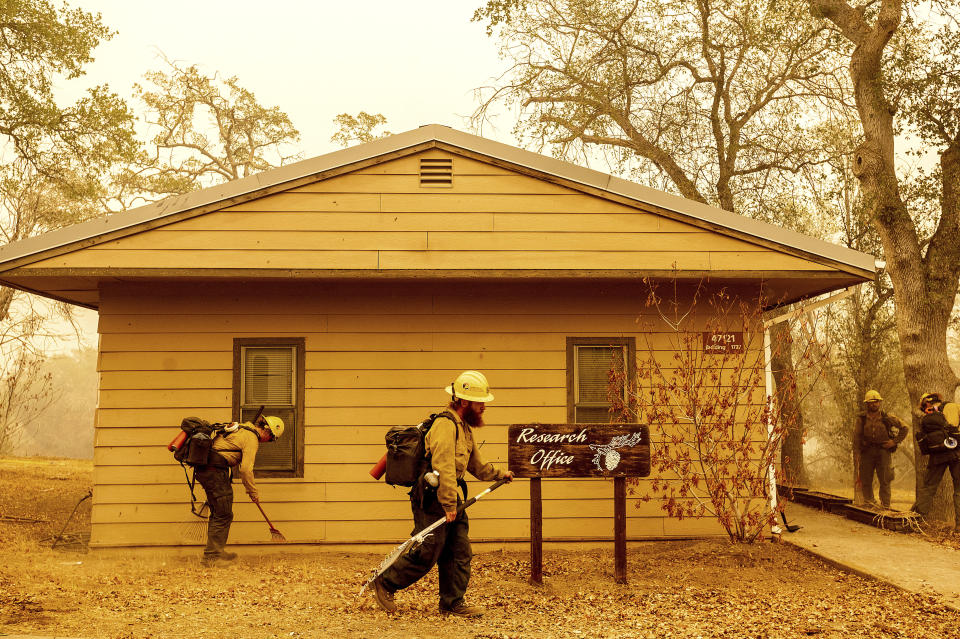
451,449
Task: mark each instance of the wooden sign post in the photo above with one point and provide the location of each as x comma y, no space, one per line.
579,450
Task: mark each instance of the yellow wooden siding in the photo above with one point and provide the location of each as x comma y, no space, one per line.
380,219
389,531
376,355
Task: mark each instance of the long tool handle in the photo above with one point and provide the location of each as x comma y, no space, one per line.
492,487
397,552
423,534
264,515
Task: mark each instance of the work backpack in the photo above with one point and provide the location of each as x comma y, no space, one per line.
934,433
407,459
196,448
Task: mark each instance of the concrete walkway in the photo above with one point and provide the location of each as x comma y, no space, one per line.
904,560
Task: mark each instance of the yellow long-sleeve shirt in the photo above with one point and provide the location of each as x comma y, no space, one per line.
454,454
240,448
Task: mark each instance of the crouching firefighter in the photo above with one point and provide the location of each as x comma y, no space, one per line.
451,449
234,448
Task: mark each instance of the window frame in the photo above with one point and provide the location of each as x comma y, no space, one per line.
572,343
299,394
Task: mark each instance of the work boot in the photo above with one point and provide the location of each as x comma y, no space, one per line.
211,560
384,597
462,610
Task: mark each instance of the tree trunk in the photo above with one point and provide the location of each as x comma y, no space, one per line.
791,449
925,286
6,297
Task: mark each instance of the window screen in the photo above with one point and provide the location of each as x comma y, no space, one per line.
270,375
591,361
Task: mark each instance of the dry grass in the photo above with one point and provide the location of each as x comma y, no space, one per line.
677,589
37,496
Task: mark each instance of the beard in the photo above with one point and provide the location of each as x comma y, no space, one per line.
472,417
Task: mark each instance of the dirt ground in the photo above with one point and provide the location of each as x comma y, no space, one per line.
701,588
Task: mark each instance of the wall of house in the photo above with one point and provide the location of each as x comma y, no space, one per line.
377,355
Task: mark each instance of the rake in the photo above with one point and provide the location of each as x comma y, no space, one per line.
196,530
275,534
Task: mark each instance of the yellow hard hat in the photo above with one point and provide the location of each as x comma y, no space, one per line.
872,396
471,386
274,425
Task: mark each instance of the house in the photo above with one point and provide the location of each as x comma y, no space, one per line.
345,292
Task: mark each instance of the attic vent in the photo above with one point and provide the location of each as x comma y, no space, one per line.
436,172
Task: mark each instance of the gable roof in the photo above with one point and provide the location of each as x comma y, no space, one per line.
96,231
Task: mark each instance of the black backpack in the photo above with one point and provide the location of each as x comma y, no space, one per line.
196,449
406,452
932,434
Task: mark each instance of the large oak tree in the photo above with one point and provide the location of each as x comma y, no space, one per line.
204,129
54,156
906,79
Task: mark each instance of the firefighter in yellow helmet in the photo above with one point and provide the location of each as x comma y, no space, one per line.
875,438
452,449
236,448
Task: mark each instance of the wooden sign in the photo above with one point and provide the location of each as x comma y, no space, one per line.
723,343
579,450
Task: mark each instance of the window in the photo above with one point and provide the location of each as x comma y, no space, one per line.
589,362
269,372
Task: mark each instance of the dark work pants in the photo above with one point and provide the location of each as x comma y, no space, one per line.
216,483
448,547
875,459
932,481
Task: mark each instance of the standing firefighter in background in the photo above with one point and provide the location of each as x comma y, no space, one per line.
236,448
937,437
875,438
451,449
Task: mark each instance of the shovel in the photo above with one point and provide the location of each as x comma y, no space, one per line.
275,534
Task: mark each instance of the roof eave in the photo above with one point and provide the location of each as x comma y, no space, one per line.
32,249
